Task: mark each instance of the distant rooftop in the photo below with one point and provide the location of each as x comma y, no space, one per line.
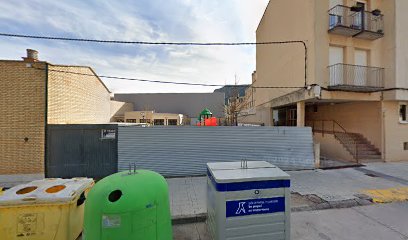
228,90
190,104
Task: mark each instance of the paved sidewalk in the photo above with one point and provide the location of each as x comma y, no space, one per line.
187,197
339,184
374,222
311,190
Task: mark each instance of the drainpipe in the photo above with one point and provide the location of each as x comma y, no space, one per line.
46,122
383,138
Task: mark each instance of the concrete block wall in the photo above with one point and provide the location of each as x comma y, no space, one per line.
118,109
75,98
22,118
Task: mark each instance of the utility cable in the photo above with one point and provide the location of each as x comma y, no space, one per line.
165,43
145,42
148,80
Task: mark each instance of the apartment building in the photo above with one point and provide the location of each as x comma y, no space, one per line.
247,114
36,93
348,81
235,102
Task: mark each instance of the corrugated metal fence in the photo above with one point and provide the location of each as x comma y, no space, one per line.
184,151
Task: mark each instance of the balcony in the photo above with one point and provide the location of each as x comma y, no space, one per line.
363,24
356,78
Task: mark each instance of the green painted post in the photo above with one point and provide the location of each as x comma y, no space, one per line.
128,205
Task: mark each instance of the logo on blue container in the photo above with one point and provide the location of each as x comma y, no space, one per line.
255,206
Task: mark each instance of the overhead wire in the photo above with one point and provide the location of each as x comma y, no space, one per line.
167,43
146,42
147,80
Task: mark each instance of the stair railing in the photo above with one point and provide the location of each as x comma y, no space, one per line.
333,127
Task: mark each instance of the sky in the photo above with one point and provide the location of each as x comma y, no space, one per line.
140,20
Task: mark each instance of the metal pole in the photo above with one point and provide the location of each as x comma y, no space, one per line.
323,128
313,127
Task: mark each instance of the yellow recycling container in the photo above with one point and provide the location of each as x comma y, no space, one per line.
45,209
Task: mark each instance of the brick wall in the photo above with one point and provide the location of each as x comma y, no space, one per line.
75,99
22,116
72,99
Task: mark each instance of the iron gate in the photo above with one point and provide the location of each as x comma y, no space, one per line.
81,150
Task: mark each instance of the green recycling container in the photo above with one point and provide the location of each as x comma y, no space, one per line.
128,205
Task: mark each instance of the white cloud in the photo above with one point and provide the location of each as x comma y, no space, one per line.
209,20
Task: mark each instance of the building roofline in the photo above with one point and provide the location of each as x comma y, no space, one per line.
238,85
169,93
21,61
61,65
263,15
80,66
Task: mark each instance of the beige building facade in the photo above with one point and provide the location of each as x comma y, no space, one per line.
153,118
36,93
118,110
353,88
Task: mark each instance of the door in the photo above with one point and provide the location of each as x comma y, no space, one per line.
359,17
335,14
336,60
81,150
360,71
291,118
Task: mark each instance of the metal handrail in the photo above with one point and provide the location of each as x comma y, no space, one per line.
364,20
354,65
356,75
334,124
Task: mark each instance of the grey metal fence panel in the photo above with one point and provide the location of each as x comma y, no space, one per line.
184,151
80,150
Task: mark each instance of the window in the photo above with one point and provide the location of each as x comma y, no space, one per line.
403,113
131,120
405,145
336,55
144,120
172,122
158,121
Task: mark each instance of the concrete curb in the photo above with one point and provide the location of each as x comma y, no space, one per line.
333,205
185,219
201,217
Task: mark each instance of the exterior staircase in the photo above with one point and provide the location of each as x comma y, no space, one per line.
358,146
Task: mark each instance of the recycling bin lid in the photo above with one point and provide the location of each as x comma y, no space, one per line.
238,165
256,171
51,190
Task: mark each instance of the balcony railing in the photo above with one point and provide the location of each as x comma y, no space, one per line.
363,24
356,78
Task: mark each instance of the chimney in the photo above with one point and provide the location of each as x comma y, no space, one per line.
32,56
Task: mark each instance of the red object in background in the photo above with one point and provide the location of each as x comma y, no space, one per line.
210,122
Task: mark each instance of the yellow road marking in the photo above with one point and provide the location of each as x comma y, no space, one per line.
388,195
